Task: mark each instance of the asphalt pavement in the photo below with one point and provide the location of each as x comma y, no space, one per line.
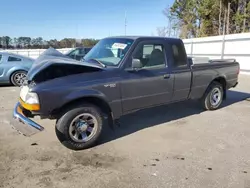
178,145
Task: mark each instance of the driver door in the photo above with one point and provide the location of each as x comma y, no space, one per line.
151,85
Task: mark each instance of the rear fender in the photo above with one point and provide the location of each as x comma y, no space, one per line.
14,69
222,80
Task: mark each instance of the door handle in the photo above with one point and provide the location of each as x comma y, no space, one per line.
165,76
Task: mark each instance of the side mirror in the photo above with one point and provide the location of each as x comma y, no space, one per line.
136,64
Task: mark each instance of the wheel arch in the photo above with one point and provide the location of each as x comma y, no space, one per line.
223,82
15,69
94,100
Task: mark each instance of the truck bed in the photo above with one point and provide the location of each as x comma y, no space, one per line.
204,71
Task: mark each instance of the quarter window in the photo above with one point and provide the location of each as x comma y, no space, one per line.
11,58
179,55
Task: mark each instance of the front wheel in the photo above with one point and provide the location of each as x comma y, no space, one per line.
213,97
18,77
80,127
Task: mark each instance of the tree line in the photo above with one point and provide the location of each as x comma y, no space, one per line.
202,18
7,42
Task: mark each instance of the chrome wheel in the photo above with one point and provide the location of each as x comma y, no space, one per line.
215,97
19,78
83,127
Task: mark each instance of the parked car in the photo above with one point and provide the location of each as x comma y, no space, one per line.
78,53
14,68
86,96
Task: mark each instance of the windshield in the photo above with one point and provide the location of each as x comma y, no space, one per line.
109,51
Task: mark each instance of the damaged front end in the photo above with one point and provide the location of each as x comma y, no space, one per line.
50,65
53,64
23,124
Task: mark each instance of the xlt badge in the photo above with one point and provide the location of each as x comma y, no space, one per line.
109,85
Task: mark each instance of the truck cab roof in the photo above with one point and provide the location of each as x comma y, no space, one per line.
145,37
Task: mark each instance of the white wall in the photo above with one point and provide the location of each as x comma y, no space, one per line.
236,46
34,53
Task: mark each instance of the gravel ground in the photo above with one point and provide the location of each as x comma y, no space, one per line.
171,146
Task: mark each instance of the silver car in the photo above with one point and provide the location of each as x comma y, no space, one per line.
14,68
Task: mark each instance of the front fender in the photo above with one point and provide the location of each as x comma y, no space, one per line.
114,104
74,95
53,101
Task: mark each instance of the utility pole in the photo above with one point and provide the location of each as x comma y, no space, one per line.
169,28
125,23
223,40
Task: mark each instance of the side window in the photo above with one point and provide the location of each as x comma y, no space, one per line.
180,58
76,52
87,50
81,51
11,58
0,58
147,50
151,55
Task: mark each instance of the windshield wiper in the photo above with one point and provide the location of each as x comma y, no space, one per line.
99,62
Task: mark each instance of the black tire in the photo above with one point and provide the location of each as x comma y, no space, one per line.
207,98
63,125
13,76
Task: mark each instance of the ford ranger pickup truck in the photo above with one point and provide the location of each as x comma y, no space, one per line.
119,75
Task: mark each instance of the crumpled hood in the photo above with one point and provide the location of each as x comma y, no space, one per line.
52,56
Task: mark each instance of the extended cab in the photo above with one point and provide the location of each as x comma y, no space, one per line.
118,76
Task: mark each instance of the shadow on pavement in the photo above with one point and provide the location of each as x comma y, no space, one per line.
151,117
6,85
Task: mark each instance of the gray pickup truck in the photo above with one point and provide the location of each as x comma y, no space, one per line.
119,75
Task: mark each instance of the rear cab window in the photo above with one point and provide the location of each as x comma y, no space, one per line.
11,58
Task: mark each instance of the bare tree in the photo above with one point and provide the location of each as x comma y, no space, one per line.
228,17
169,16
224,23
244,21
162,31
173,26
220,18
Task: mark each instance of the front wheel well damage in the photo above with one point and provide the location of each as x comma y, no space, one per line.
102,104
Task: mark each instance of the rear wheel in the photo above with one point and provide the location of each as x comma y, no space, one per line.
80,127
18,77
213,97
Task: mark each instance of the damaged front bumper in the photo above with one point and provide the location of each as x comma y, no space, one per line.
23,124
